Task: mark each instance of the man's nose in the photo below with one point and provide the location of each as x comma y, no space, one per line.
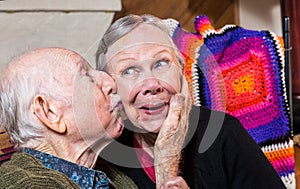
151,86
108,85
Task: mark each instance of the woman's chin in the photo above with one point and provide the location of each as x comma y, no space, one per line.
153,126
156,131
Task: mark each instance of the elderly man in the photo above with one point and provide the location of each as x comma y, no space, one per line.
59,113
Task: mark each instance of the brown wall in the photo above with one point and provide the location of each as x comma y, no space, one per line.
220,12
291,8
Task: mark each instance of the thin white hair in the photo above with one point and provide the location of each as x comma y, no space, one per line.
17,118
17,93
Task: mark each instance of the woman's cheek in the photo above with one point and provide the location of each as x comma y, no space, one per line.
173,84
173,79
123,90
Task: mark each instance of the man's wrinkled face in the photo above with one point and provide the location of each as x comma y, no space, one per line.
147,75
95,109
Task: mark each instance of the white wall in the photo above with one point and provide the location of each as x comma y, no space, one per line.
261,15
76,25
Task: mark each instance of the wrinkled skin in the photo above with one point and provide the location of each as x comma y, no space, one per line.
168,146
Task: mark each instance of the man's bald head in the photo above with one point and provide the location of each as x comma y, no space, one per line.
41,64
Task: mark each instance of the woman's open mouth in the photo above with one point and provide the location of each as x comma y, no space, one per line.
152,109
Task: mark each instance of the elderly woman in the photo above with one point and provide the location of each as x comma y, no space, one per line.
214,150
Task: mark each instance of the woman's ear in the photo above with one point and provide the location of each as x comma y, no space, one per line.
48,113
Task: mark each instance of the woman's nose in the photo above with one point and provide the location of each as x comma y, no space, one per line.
151,86
107,83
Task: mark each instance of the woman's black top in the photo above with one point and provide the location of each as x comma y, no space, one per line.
220,154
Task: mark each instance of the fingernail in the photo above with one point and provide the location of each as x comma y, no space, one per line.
181,99
177,101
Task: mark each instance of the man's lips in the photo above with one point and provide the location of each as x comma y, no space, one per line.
116,102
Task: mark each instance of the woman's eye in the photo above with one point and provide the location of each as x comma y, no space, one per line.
130,72
162,64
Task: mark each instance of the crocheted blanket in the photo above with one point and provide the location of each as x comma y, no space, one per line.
242,72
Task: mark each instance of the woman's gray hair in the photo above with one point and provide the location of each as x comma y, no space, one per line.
123,26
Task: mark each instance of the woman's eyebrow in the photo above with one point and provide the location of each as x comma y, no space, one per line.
123,61
162,51
126,56
117,59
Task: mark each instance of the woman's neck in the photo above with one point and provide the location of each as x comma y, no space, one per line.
146,141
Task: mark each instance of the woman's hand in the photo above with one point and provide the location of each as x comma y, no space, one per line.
170,126
169,142
175,182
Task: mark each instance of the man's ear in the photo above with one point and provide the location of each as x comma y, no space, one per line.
48,113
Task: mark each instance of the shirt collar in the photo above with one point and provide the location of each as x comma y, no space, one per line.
83,176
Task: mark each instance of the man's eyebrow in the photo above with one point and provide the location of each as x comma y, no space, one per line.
83,70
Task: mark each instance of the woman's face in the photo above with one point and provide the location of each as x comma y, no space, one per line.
147,75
